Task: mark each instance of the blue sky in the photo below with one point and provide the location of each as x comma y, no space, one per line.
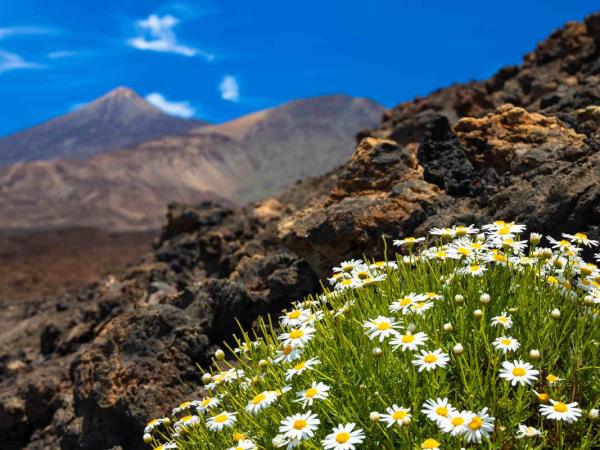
217,60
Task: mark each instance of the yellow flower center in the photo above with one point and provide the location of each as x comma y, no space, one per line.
206,401
300,424
441,411
405,301
399,415
476,245
463,251
431,358
287,350
474,268
363,275
238,437
185,405
348,268
457,421
380,263
505,341
543,397
499,257
580,236
311,392
259,398
560,407
342,437
552,378
518,371
221,418
504,230
461,231
503,319
383,326
430,443
294,314
476,423
296,334
408,338
441,254
299,366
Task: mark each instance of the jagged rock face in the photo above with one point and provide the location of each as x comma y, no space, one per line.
521,146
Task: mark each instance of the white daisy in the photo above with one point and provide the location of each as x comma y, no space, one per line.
503,320
527,431
561,411
396,415
207,403
221,420
456,422
408,341
447,233
301,367
518,372
420,307
297,337
581,239
474,269
244,444
437,410
299,427
343,437
479,426
317,391
295,318
403,304
430,360
287,354
261,401
348,266
506,344
408,241
381,327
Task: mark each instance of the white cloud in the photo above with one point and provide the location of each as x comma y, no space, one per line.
12,61
59,54
229,88
16,31
179,109
156,34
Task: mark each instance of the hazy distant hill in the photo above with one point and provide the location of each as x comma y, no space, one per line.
118,119
242,160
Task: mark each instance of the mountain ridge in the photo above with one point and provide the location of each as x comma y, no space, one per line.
119,118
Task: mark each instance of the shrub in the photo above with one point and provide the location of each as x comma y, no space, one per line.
477,340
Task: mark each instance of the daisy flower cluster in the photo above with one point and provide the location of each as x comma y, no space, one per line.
481,337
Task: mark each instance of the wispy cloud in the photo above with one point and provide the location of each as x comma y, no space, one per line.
12,61
230,90
23,30
179,109
156,34
59,54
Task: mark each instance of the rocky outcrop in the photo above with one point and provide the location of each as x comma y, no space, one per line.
521,146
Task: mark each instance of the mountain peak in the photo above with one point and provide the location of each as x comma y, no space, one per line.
120,93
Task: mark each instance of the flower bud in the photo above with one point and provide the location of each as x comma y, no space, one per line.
406,421
534,354
459,299
547,253
484,299
480,237
512,310
147,438
377,352
263,363
478,314
588,300
206,378
448,327
411,327
457,349
374,416
593,414
255,381
167,421
220,355
535,238
555,314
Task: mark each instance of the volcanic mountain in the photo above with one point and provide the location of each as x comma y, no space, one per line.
120,118
126,189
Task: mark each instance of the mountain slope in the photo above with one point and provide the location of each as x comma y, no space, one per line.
118,119
242,160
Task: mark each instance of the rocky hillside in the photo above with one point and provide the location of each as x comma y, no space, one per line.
120,118
242,160
521,146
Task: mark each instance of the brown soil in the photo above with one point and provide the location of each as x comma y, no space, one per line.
37,264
